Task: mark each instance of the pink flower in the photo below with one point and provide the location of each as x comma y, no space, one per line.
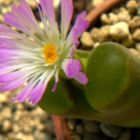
35,55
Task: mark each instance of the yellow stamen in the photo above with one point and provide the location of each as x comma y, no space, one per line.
50,53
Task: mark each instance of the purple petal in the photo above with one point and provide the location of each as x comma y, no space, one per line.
7,31
79,27
22,17
72,67
12,85
34,90
10,77
12,20
7,53
40,88
6,43
37,93
56,82
81,78
4,59
48,10
24,94
66,14
28,14
7,68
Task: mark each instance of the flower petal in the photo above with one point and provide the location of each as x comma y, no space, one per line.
22,18
7,53
79,27
71,67
37,92
12,85
10,77
6,31
66,14
48,10
40,88
56,81
11,19
24,94
81,78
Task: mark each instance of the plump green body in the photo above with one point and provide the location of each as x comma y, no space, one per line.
112,94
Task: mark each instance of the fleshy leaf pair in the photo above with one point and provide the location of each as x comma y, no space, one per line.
113,92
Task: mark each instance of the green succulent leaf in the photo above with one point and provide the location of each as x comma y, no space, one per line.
68,100
112,94
114,84
108,74
58,102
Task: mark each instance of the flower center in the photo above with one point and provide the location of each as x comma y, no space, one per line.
50,53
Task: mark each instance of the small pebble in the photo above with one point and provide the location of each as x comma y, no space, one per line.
132,4
97,2
91,136
5,2
7,126
3,98
138,46
92,127
124,16
20,136
119,30
111,131
138,11
50,127
20,106
128,41
113,17
79,129
126,135
135,22
16,128
136,35
56,3
100,35
105,32
134,52
71,124
48,137
105,19
76,137
6,113
86,39
33,3
28,137
5,10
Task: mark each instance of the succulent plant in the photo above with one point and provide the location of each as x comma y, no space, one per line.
112,94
